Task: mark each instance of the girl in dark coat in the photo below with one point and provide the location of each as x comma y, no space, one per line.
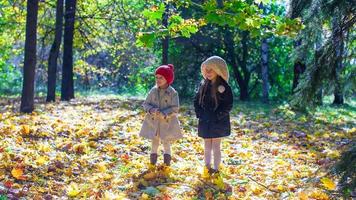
213,103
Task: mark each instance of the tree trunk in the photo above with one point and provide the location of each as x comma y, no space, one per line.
318,45
28,85
299,68
244,95
338,43
264,70
67,90
165,40
54,52
234,60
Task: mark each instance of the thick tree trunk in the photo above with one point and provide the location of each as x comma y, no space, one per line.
338,43
264,70
67,90
54,52
244,96
239,66
28,85
165,40
299,68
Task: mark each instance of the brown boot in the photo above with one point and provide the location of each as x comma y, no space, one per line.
153,158
213,172
167,159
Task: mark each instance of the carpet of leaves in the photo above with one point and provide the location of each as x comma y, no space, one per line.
89,148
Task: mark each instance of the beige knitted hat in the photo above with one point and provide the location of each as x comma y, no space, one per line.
217,64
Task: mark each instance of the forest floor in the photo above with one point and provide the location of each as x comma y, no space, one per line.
90,148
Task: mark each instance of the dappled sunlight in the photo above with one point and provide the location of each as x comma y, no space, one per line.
88,148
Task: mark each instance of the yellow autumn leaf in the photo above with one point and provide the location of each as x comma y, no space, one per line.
73,190
219,182
17,173
41,160
129,129
109,195
165,171
281,188
317,194
108,177
144,196
303,196
296,174
205,174
25,129
101,167
183,154
150,176
83,132
256,190
328,184
333,154
44,148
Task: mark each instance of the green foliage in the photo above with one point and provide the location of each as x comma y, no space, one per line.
146,39
141,81
154,14
318,48
280,67
177,26
236,14
3,197
10,79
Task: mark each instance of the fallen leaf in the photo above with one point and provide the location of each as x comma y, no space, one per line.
17,173
319,195
101,167
219,182
73,190
25,129
41,160
150,176
328,184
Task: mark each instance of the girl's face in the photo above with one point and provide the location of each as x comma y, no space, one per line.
161,81
210,74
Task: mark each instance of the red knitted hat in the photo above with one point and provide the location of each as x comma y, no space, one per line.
167,71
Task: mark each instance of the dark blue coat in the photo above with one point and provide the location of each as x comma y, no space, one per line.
214,123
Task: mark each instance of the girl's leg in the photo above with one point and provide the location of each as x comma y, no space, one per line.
154,150
166,147
216,143
155,144
207,152
167,152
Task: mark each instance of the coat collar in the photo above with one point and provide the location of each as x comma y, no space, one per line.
169,90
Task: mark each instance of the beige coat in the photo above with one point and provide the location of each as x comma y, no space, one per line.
165,126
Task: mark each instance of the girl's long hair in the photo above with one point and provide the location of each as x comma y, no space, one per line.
214,90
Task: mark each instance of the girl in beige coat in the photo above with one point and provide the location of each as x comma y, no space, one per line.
161,121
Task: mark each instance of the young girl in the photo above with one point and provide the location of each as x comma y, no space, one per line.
212,103
161,121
